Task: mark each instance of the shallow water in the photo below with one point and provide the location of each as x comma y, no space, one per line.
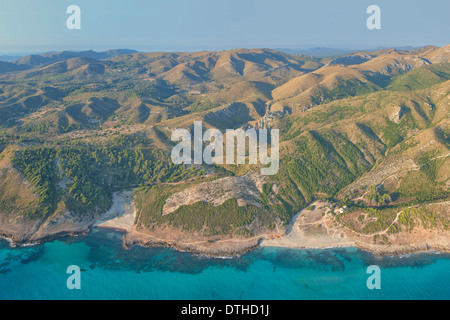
111,272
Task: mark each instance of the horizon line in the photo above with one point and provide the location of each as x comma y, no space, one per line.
186,49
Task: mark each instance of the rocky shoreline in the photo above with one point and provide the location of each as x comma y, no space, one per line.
386,252
302,233
210,250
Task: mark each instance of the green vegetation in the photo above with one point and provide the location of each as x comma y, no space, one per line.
382,219
322,164
225,219
425,217
39,128
379,199
430,167
373,220
423,186
421,78
202,105
332,113
349,88
3,142
93,173
392,134
38,166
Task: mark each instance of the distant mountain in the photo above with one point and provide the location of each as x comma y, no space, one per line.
88,54
73,68
52,57
221,66
34,60
318,52
323,52
6,67
7,58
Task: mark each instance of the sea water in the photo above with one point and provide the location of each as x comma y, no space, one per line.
109,271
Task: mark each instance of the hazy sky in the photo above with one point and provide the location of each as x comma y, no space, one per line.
167,25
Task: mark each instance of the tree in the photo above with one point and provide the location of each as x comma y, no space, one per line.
385,199
373,194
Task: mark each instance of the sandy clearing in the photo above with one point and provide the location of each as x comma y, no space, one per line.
310,229
122,213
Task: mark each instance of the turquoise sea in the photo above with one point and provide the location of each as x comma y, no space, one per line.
108,271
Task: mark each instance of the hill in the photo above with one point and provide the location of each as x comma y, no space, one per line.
367,133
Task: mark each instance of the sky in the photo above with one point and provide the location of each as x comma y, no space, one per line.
28,26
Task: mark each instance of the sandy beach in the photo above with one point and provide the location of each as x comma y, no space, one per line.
315,228
312,229
309,229
122,214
